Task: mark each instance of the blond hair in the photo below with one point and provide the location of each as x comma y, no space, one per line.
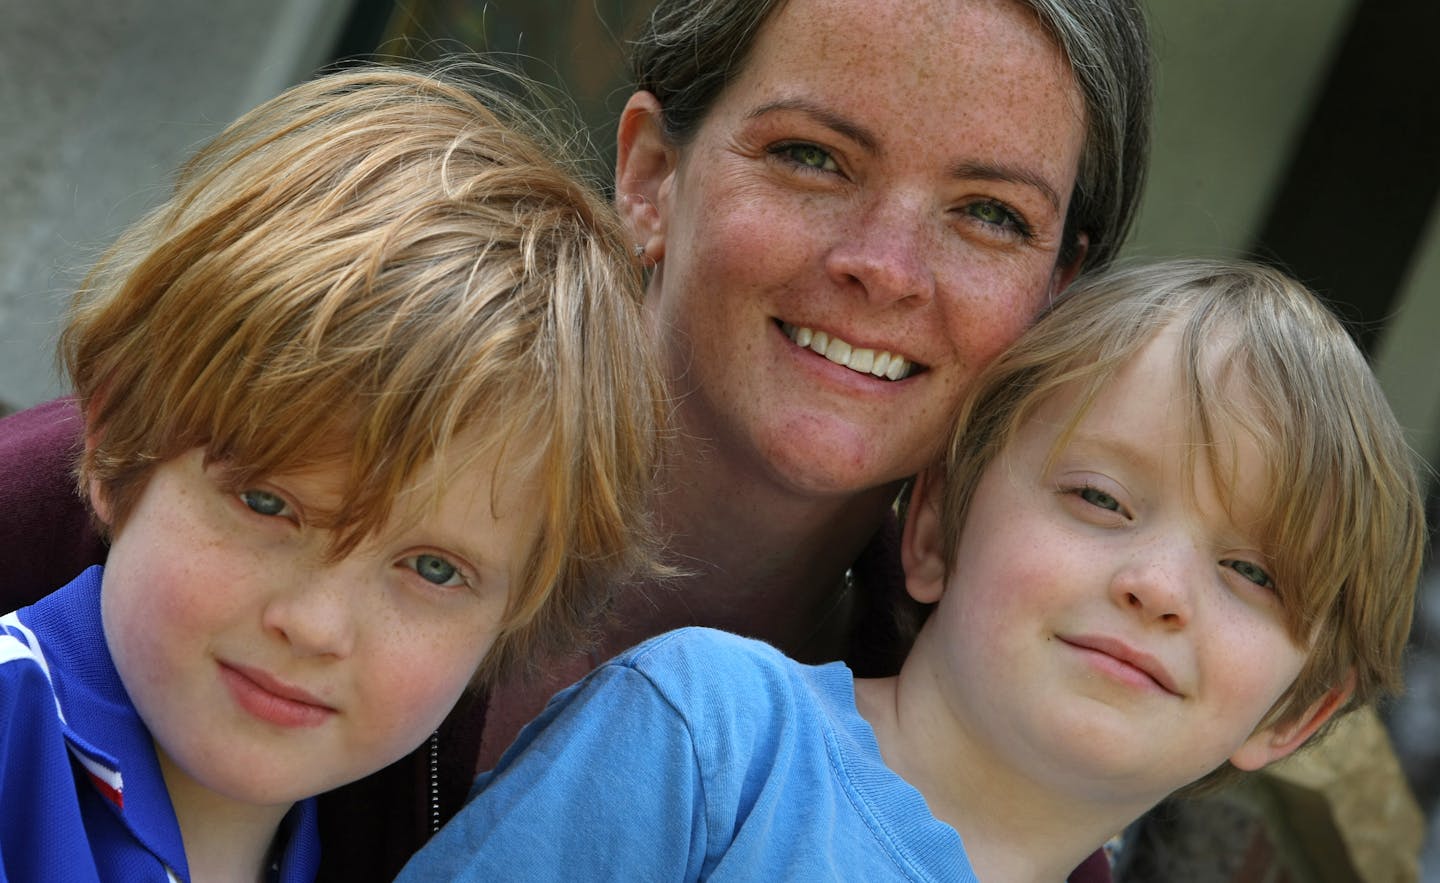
1345,523
390,258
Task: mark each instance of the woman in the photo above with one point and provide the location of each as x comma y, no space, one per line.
846,208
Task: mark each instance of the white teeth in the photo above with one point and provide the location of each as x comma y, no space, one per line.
865,361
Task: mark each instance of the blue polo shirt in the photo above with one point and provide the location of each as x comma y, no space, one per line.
82,790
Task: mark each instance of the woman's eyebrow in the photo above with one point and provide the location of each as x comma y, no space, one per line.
1004,172
826,117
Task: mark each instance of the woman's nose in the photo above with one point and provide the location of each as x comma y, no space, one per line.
888,252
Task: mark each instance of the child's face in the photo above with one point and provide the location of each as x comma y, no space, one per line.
267,673
1106,623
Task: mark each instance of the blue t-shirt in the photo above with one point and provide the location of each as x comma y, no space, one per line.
697,755
83,795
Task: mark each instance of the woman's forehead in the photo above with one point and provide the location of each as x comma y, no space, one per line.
919,50
978,72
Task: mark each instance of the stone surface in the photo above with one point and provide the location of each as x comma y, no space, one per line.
1350,787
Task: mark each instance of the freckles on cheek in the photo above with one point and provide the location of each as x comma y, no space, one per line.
405,698
427,676
418,697
987,312
942,403
1008,319
149,596
767,231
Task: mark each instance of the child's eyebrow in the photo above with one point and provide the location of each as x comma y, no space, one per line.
1110,445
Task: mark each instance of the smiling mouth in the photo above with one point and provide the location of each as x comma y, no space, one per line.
1139,665
272,701
881,364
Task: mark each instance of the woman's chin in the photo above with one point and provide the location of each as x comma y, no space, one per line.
819,456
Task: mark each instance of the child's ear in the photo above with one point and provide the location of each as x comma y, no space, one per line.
645,165
922,547
99,501
1270,744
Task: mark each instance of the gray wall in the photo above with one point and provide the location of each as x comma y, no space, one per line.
98,102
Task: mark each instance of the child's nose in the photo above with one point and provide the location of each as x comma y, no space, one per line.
314,615
1156,584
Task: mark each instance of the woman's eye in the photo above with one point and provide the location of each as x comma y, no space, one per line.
807,155
264,502
1250,571
1097,497
434,569
997,214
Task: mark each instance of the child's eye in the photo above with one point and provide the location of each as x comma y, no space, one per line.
809,156
1250,571
434,569
1097,497
264,502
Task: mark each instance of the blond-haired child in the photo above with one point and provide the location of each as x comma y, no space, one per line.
1177,531
370,415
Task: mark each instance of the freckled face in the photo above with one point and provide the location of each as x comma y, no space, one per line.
893,176
1112,616
267,672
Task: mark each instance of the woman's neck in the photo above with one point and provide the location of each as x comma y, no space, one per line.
759,559
225,840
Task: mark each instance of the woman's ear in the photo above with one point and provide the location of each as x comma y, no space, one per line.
644,173
1267,745
922,547
1065,273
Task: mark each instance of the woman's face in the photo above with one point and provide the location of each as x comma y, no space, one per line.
893,176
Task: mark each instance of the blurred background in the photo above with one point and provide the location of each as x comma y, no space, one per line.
1306,132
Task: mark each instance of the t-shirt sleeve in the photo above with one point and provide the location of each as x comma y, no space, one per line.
604,779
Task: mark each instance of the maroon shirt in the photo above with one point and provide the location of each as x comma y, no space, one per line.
46,535
370,828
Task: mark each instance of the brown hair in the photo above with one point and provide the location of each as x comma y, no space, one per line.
391,258
1345,518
